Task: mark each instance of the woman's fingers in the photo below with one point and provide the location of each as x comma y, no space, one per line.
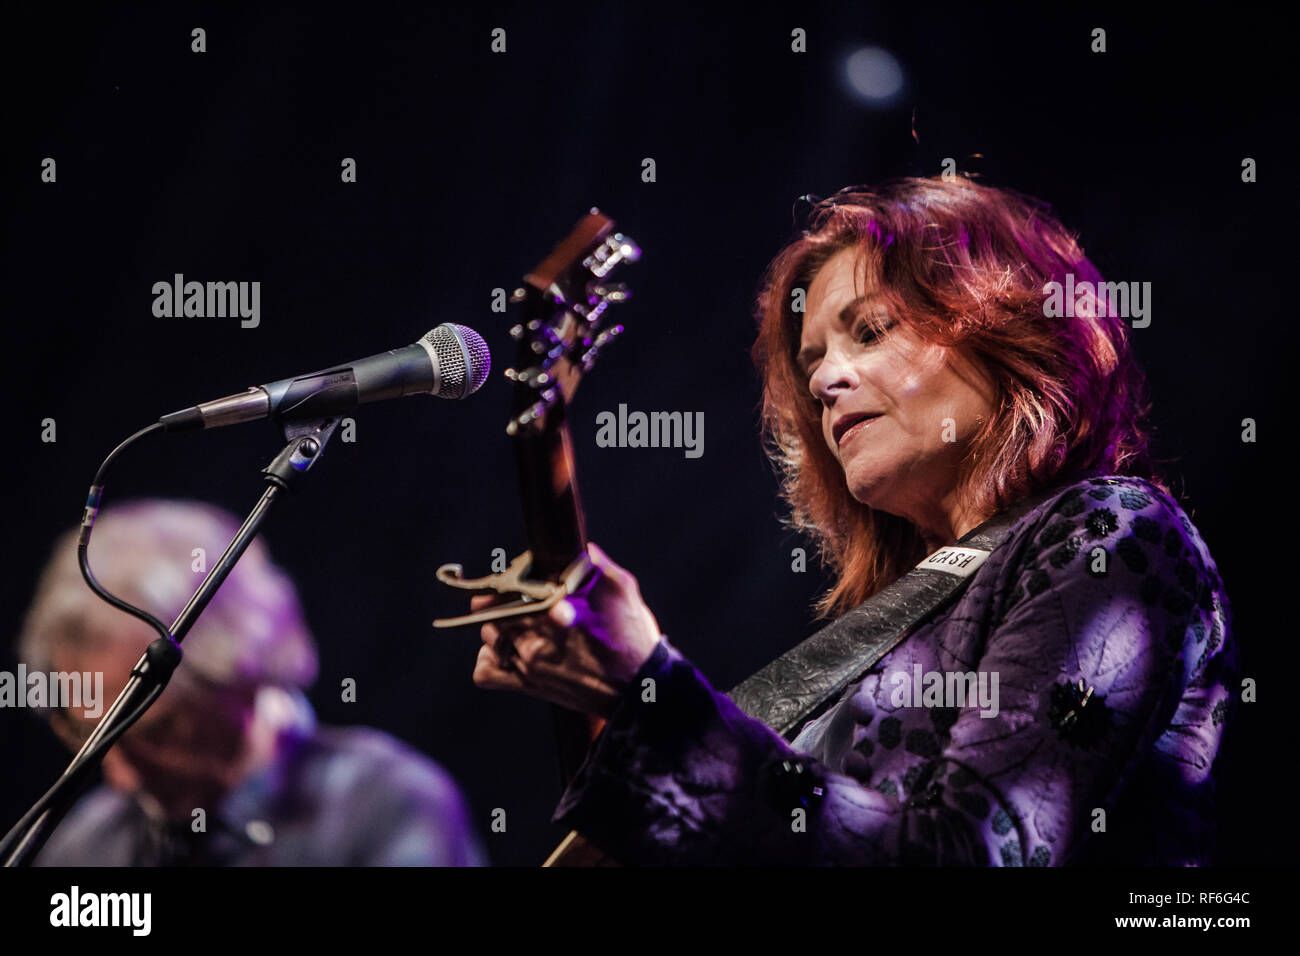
618,576
519,643
585,693
490,675
578,653
540,650
563,613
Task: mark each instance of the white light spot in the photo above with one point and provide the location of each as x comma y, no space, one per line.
874,73
260,832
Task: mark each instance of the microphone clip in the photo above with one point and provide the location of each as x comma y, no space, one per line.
306,440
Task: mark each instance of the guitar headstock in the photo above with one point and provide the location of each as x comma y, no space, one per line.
563,329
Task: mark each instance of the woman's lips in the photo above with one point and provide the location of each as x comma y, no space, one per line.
855,429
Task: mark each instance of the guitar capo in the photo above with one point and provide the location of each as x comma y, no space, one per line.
532,596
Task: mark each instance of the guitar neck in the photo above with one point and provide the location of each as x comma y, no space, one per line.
549,488
564,300
556,537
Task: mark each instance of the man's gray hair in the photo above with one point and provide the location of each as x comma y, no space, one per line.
146,552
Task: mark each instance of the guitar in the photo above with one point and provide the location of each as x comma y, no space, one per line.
563,301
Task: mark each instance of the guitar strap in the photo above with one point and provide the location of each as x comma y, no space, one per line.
801,683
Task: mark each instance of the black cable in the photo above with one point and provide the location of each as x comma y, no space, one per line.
88,522
108,735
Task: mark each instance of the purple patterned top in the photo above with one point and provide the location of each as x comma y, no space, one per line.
972,742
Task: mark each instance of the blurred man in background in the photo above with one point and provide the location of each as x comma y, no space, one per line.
228,768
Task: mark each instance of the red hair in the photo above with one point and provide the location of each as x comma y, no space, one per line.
964,266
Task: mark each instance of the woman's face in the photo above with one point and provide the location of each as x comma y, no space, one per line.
925,402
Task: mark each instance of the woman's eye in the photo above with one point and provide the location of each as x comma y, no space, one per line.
867,332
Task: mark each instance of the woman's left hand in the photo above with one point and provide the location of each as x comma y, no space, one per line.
582,653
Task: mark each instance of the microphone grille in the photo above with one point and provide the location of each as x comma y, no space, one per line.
463,359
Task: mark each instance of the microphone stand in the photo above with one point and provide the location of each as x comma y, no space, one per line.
151,673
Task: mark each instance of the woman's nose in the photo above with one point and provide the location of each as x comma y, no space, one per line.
834,375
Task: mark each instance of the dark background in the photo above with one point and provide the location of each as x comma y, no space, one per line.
225,166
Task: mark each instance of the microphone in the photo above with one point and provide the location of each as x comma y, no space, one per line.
450,361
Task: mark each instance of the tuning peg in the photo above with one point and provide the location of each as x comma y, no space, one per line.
614,292
628,247
608,335
546,342
532,413
603,339
617,248
536,376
